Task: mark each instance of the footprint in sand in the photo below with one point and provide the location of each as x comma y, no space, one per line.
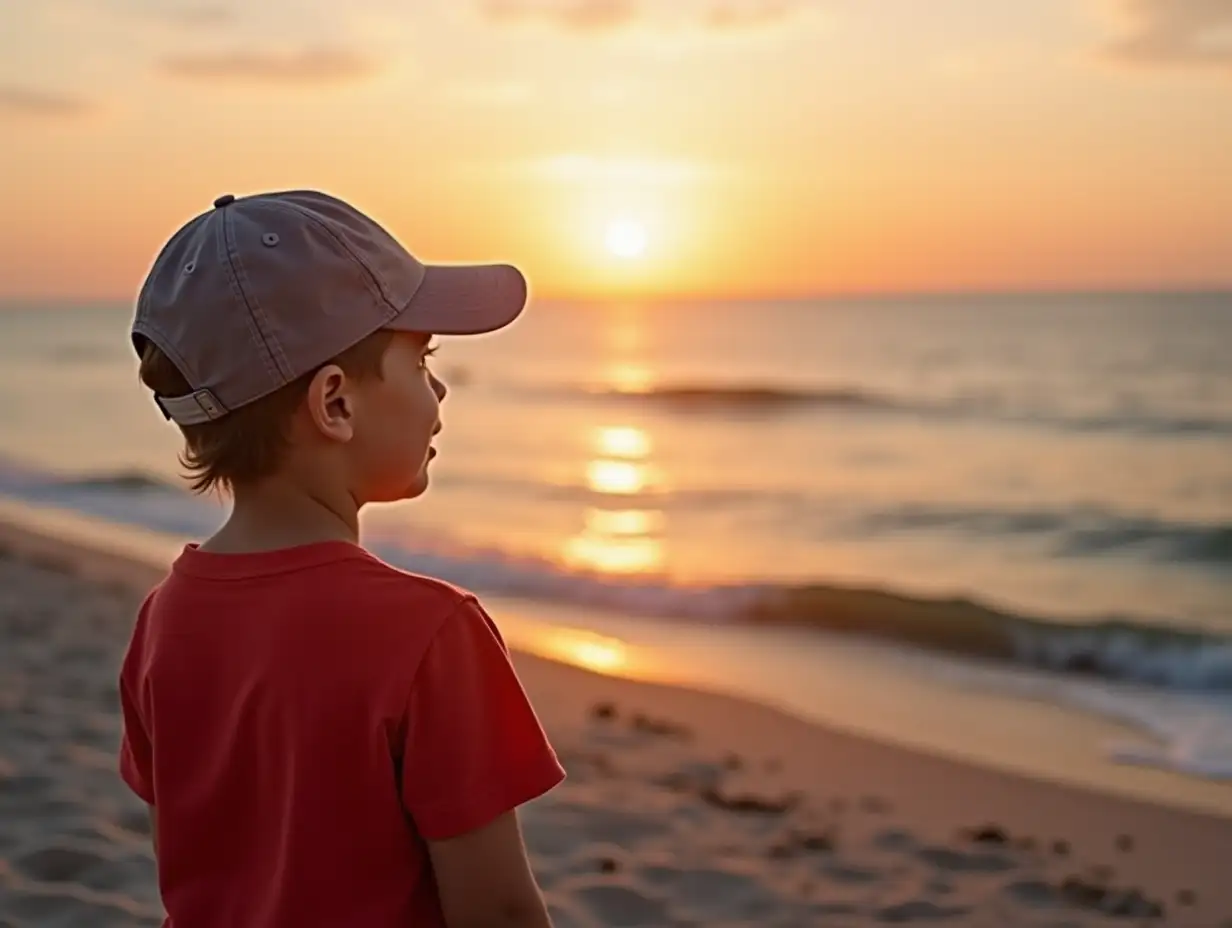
919,910
618,903
944,858
57,863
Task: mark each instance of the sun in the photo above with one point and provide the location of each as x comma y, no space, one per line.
626,238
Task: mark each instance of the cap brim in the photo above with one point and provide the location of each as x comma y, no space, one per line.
464,300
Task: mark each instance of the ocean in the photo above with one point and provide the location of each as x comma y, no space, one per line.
1028,494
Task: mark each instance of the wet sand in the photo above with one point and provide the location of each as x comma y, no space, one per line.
681,808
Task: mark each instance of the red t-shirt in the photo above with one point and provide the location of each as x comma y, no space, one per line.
303,720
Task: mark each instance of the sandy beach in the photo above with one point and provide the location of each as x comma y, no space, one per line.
681,808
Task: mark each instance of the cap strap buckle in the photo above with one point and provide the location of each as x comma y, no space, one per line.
192,409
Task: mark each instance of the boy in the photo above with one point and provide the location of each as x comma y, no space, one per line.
322,739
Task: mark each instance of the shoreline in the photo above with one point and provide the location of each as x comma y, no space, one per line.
725,805
1013,732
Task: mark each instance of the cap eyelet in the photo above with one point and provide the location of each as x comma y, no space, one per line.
190,267
269,239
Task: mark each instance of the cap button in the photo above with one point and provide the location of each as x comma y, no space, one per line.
225,200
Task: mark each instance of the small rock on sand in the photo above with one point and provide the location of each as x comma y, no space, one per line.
604,711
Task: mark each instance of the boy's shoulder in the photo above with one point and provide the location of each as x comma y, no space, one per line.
354,578
384,578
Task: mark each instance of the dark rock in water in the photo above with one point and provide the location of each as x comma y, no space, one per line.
1125,843
1060,848
604,711
608,865
749,803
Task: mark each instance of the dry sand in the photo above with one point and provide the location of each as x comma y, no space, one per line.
682,808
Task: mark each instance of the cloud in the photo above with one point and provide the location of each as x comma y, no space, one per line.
747,15
1175,33
588,170
576,15
204,14
41,104
609,15
312,66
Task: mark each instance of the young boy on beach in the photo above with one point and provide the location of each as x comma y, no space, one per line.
322,739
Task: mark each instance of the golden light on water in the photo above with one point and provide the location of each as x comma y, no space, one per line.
623,442
630,378
611,555
585,649
616,477
618,539
623,521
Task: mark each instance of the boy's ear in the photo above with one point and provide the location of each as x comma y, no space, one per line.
330,403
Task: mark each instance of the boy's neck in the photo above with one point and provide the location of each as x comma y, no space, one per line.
273,516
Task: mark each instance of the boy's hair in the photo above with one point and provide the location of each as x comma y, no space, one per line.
247,444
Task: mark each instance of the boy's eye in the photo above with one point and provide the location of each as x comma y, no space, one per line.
429,352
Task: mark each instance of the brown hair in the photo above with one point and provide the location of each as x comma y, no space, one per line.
248,443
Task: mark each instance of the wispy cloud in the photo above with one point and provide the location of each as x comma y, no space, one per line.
41,104
586,169
311,66
1175,33
576,15
595,16
205,14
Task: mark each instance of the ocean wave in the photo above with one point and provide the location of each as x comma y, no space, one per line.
759,399
1132,649
1076,532
1083,531
750,397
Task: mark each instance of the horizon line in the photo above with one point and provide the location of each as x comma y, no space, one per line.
1211,289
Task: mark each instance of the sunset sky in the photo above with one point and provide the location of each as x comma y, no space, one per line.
637,147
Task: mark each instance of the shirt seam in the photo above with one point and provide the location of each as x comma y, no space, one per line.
273,571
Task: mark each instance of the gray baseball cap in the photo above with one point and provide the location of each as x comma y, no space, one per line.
263,289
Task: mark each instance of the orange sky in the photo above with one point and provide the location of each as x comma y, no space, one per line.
762,147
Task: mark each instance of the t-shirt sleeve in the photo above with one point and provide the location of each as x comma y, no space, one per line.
136,752
474,747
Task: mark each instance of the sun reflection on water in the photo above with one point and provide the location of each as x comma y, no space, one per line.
619,538
583,648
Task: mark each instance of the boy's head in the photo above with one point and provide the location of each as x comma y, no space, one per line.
287,335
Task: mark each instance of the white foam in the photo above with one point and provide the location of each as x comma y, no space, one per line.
1183,732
